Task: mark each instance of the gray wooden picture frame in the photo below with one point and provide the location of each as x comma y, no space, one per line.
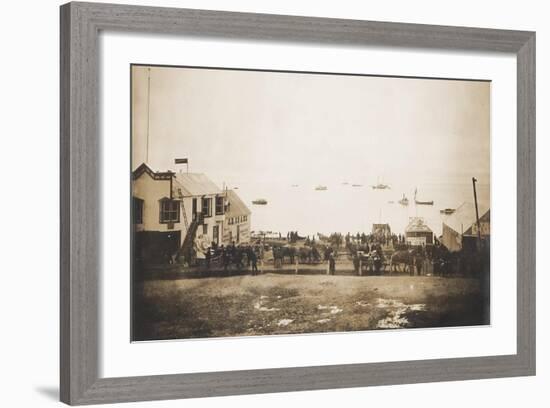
81,24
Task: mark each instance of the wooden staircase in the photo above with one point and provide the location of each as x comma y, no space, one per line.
186,249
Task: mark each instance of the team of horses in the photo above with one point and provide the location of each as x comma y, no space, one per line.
307,255
403,260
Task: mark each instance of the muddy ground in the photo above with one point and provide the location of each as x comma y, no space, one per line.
288,304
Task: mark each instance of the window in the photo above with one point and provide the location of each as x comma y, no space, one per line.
219,205
169,211
138,210
207,207
205,229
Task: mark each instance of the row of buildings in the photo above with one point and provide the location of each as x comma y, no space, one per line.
179,213
460,229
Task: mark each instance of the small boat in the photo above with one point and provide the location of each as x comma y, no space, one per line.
391,202
447,211
380,186
404,200
321,188
259,201
345,183
419,202
295,185
357,185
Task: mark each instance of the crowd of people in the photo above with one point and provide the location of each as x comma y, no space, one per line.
372,254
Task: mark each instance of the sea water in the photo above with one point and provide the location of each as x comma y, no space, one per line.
344,208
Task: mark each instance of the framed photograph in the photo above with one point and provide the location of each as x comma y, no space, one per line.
261,203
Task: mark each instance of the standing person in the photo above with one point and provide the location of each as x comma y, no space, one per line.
254,260
356,263
418,261
331,264
377,261
208,254
412,264
225,257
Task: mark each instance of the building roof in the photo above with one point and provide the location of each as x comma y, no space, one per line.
236,206
195,184
157,175
417,224
190,184
465,216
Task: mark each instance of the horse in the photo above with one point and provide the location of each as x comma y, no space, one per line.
405,259
309,255
280,252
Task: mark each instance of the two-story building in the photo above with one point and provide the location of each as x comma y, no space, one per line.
170,209
237,220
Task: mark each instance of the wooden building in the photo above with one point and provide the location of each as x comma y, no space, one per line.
174,213
460,228
237,220
417,232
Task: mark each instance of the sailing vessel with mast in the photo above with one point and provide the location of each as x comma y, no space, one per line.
380,186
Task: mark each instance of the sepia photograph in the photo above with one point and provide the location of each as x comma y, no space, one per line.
289,203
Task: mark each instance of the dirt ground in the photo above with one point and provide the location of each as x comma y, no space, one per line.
285,304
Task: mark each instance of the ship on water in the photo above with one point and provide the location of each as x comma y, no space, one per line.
259,201
321,188
404,200
447,211
420,202
380,186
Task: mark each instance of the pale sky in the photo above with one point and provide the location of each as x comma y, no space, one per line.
308,128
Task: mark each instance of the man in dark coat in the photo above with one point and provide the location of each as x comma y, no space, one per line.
331,264
254,260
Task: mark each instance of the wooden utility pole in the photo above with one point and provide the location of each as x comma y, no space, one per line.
474,180
148,113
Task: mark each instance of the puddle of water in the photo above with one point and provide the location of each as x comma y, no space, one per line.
330,309
393,321
398,309
284,322
260,306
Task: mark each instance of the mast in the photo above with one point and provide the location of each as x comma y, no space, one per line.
474,180
148,113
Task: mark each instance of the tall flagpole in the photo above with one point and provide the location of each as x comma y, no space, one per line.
474,180
148,112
